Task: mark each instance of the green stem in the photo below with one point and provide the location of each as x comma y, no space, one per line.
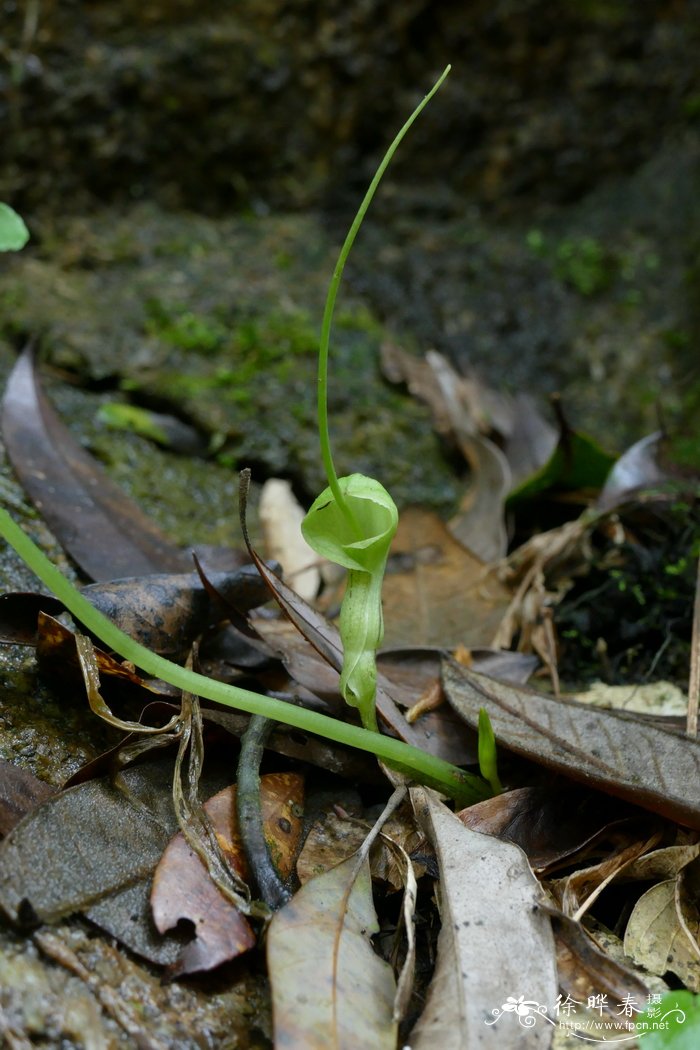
425,768
327,321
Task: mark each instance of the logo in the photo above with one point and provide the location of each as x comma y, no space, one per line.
596,1020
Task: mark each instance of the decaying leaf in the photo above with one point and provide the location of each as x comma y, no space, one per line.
663,932
611,750
183,890
435,591
20,792
106,534
586,973
92,849
329,988
56,653
167,611
480,521
637,469
552,823
577,891
495,943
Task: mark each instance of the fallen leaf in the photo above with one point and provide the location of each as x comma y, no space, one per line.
637,469
329,988
92,849
103,531
577,891
663,929
479,524
584,972
551,823
577,464
56,655
435,591
531,440
495,943
183,890
609,750
167,611
20,792
18,615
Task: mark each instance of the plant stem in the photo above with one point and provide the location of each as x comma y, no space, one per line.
323,433
420,765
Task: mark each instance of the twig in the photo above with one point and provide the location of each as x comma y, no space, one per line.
273,890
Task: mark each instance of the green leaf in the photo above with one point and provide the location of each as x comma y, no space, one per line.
13,233
577,462
357,536
488,765
671,1024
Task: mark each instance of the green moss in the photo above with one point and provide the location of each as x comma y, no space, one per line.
582,263
183,328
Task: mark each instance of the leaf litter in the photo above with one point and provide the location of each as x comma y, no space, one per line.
445,597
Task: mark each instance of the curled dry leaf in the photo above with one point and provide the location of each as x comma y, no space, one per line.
663,932
551,823
577,891
183,890
637,469
56,652
586,972
495,942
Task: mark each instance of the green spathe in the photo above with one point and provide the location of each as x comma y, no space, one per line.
357,535
13,232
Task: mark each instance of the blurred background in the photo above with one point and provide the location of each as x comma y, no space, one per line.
188,170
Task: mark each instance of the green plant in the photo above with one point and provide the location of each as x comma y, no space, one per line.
353,521
672,1022
365,519
13,232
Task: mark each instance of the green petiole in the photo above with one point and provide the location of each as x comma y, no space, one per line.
425,768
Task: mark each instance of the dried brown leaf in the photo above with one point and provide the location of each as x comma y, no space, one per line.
436,592
613,751
495,942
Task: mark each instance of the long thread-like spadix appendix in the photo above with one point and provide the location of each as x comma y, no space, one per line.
419,765
354,520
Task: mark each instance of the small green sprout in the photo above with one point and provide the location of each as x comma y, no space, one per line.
488,766
353,521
